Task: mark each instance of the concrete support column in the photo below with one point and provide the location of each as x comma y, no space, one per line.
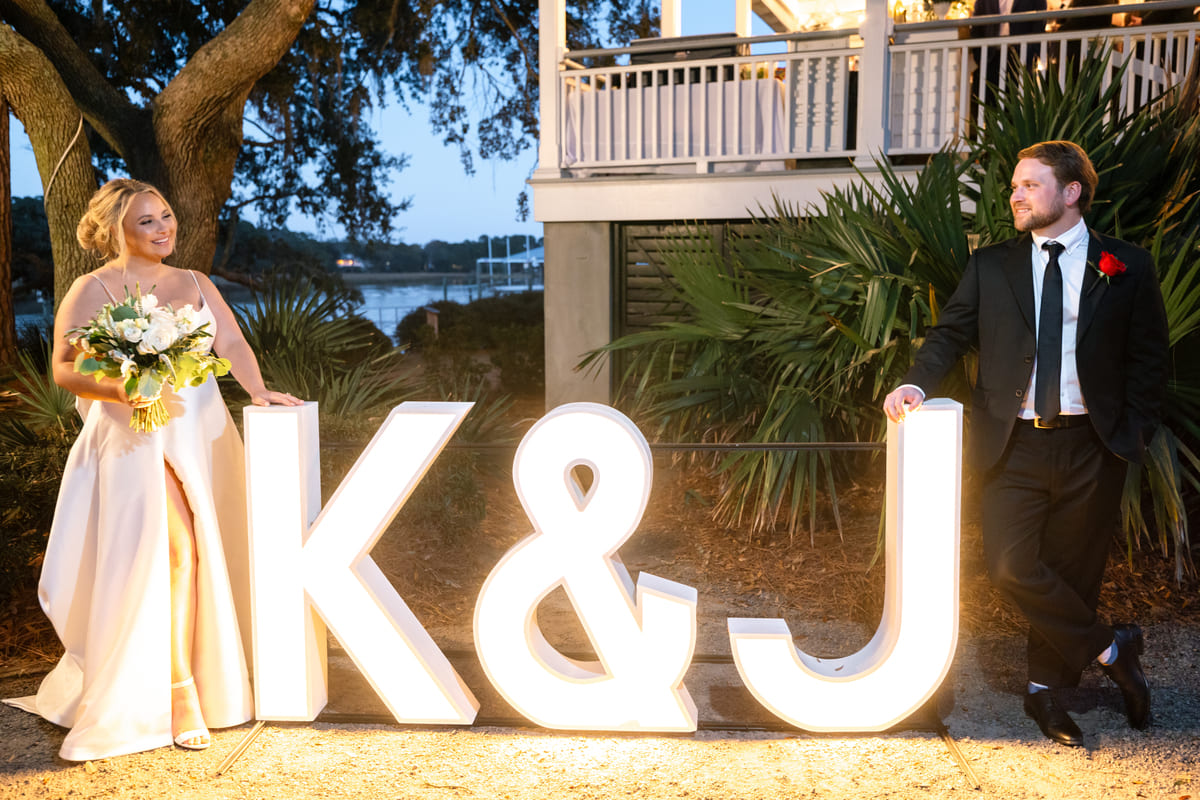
579,296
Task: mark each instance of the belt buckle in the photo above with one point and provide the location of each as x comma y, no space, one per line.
1037,423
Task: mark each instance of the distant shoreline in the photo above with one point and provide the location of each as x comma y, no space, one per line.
405,277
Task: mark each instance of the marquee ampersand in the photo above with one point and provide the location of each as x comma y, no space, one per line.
643,636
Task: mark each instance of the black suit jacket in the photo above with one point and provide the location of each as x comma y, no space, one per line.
986,7
1121,344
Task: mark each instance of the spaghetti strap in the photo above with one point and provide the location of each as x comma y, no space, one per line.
195,280
105,286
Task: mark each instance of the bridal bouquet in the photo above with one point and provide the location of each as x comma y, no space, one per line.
147,346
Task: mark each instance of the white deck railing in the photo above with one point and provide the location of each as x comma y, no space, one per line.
770,111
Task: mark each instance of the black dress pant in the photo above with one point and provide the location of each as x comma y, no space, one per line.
1050,508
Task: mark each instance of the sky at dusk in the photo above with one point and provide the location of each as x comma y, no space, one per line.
446,203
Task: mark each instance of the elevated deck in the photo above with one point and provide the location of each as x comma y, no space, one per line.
673,130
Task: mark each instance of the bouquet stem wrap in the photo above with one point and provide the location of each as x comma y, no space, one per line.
150,418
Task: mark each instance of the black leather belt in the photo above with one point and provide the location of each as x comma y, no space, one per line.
1061,421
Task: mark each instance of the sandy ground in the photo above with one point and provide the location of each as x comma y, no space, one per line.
1005,755
831,604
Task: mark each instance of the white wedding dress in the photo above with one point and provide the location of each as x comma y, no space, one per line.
105,584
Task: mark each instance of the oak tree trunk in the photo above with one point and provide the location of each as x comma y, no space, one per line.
8,317
41,101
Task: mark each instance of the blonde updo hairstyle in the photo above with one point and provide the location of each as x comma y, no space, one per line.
102,229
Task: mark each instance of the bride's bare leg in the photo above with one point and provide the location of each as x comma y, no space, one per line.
185,703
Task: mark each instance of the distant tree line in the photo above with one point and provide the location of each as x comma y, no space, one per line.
257,250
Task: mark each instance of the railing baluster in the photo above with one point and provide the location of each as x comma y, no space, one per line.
908,132
610,88
579,97
820,106
963,117
1128,85
984,88
839,102
789,104
738,88
721,82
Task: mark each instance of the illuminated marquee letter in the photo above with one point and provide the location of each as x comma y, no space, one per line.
329,565
644,644
906,660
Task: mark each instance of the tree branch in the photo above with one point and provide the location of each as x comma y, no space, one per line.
109,112
39,98
530,62
225,69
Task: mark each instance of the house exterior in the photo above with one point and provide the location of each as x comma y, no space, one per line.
713,128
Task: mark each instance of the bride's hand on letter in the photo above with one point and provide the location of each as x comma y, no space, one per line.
267,398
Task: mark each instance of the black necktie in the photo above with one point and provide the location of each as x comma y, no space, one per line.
1049,338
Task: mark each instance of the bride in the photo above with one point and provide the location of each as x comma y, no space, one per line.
145,571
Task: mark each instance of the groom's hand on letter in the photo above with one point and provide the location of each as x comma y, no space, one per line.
901,401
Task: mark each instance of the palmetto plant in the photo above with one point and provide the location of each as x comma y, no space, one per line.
795,335
307,344
797,330
46,408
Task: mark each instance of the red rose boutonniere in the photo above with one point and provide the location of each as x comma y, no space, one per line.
1110,266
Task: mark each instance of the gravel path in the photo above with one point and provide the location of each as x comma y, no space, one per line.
1004,751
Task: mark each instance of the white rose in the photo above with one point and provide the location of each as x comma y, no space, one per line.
129,330
157,338
161,316
185,319
149,303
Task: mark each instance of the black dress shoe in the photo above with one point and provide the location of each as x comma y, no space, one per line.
1056,723
1126,673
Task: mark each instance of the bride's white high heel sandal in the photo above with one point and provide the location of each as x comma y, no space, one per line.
184,739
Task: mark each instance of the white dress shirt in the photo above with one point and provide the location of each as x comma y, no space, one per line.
1073,263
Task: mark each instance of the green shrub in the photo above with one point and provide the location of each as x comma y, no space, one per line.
520,355
509,326
413,331
480,324
488,317
30,472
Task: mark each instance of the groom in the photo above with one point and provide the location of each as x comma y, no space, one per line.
1072,339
